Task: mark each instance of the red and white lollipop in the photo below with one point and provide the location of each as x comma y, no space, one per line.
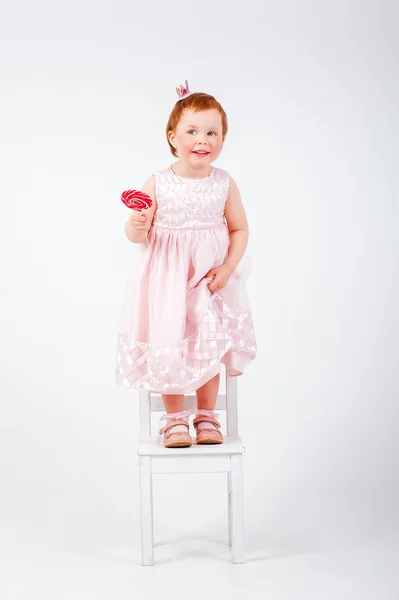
137,201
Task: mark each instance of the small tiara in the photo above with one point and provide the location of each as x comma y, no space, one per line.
183,92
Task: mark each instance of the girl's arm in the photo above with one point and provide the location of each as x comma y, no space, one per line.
238,228
139,223
237,224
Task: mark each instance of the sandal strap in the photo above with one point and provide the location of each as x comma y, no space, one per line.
166,428
202,418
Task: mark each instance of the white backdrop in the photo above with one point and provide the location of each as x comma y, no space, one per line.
311,94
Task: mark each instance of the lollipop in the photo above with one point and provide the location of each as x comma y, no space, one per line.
137,201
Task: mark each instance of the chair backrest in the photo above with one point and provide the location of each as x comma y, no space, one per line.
151,402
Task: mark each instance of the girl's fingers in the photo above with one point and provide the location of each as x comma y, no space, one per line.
215,286
139,226
138,219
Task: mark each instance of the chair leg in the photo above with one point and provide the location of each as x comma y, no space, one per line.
230,519
147,521
237,509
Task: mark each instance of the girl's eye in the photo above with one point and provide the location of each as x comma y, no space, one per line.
209,133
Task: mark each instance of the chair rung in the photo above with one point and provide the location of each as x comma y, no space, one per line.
189,402
186,464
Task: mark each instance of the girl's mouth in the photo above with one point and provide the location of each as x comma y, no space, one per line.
201,153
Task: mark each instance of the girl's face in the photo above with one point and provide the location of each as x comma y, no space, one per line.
198,137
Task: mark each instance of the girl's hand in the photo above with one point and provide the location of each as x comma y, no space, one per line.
140,221
220,275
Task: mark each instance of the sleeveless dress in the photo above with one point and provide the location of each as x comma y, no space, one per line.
174,332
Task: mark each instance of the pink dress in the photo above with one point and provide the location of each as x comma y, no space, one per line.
174,332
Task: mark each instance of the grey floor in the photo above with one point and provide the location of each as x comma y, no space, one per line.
197,565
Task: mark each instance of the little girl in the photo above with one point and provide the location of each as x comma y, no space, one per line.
187,310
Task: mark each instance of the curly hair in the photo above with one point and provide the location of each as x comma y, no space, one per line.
197,101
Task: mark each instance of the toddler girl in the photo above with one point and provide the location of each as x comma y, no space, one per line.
187,311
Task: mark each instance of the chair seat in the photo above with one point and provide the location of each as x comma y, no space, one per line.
155,447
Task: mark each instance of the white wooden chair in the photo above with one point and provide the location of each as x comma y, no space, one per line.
212,458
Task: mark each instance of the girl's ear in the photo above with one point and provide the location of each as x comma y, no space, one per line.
172,138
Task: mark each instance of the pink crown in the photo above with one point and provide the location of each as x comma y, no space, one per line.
183,92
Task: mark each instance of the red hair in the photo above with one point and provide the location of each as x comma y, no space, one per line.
196,102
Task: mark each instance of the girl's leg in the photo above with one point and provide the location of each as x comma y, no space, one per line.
175,435
206,401
207,394
173,402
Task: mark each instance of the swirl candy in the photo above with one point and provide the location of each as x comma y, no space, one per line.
136,200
